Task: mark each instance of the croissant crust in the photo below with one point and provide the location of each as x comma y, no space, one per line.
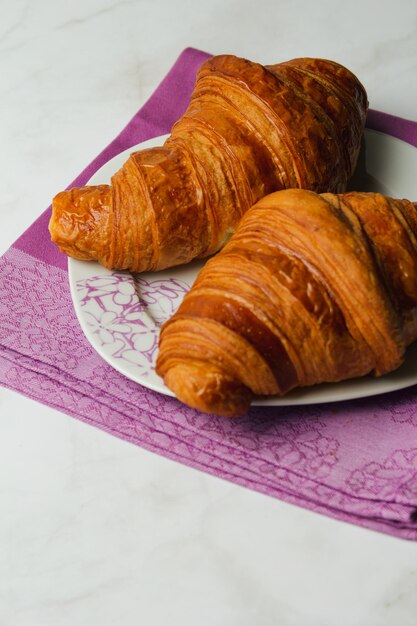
311,288
248,130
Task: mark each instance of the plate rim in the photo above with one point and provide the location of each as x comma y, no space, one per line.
298,397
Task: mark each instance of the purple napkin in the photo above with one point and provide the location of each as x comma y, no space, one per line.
355,461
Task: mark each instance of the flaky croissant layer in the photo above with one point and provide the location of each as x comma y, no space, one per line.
249,130
311,288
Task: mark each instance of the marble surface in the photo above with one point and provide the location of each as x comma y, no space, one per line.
94,530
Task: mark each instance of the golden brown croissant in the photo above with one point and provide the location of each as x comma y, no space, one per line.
311,288
249,130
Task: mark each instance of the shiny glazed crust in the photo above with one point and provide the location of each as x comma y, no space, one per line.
249,130
311,288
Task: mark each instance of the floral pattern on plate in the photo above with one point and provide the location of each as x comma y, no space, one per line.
124,313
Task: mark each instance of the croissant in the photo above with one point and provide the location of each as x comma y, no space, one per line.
249,130
311,288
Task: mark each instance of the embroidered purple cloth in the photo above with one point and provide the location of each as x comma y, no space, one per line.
355,461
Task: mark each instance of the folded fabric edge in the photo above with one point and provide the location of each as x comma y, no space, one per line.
393,528
150,436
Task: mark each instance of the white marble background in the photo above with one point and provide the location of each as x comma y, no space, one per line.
94,531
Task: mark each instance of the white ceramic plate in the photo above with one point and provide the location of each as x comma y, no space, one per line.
121,313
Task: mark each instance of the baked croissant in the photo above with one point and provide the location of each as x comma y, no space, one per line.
249,130
311,288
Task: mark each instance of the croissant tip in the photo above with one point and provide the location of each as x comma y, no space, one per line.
208,390
76,214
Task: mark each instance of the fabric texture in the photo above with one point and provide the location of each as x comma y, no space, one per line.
355,461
